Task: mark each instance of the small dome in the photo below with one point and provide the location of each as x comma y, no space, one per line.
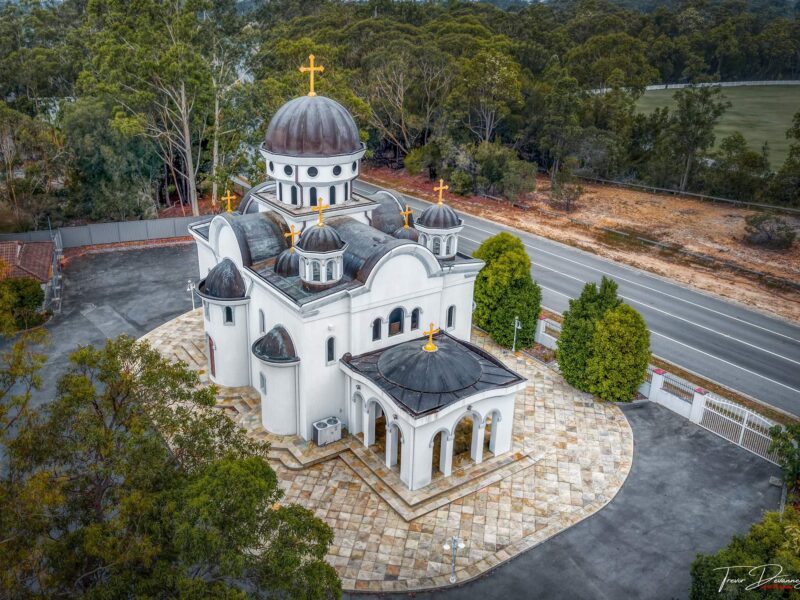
407,234
320,238
439,216
275,346
450,368
224,281
386,216
312,126
288,263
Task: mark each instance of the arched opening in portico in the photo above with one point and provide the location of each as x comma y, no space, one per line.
467,440
492,425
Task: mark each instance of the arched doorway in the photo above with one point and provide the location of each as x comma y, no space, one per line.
212,367
440,454
467,440
394,443
358,414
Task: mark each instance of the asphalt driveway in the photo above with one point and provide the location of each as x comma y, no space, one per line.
112,293
688,491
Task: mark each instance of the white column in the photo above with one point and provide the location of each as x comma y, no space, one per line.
656,381
698,405
369,424
476,450
493,432
392,440
539,329
446,456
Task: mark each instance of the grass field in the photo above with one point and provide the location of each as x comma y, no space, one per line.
761,113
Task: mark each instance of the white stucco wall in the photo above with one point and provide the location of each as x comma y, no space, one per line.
231,356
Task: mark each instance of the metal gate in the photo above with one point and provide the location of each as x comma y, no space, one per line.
738,425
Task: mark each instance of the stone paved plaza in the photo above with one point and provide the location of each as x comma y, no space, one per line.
571,456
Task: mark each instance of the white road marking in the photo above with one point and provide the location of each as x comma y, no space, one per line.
647,287
714,331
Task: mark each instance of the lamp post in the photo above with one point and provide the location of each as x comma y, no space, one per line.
517,327
455,544
190,288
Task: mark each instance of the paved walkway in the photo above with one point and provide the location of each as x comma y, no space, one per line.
571,457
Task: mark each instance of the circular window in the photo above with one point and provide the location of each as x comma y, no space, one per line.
287,169
312,171
355,166
337,170
271,166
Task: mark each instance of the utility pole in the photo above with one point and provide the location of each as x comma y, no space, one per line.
517,327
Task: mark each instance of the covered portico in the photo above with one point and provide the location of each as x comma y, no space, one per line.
423,407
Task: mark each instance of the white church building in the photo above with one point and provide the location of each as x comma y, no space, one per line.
339,306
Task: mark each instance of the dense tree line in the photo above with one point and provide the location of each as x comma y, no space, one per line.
111,108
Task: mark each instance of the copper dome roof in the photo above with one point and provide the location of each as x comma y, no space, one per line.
312,126
288,263
320,238
439,216
224,281
275,346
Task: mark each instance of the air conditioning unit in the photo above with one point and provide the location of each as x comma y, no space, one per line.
327,431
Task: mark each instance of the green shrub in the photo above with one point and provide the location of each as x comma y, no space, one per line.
773,541
770,231
23,298
461,183
619,355
504,290
786,443
574,348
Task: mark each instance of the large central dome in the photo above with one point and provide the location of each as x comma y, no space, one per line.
312,126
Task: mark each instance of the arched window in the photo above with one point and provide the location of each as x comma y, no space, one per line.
346,191
205,309
451,316
450,242
332,201
228,315
330,350
415,319
376,329
280,192
315,271
329,271
262,326
313,193
437,245
262,383
294,194
396,318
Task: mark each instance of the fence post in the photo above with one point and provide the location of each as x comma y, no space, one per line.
537,337
656,382
698,405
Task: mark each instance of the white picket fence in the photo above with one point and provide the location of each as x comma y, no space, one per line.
719,415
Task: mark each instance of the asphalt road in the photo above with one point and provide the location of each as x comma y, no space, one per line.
722,341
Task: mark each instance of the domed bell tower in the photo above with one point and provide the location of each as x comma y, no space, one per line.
321,254
439,226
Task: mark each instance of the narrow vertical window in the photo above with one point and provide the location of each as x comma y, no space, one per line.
229,315
315,276
346,191
329,271
451,316
396,318
294,194
313,199
450,241
415,319
330,350
262,383
437,245
332,201
206,311
376,330
261,323
280,192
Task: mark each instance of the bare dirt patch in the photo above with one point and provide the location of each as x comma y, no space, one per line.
715,230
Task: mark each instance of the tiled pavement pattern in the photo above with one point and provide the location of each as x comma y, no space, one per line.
571,456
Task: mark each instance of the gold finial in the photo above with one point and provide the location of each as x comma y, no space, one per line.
311,70
441,188
430,346
406,213
293,233
318,209
228,196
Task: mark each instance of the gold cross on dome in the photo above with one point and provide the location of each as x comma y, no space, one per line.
293,233
228,197
430,346
406,213
318,209
441,188
311,70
